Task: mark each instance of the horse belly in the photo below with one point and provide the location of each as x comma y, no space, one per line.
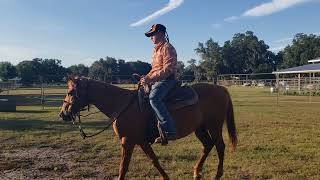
187,120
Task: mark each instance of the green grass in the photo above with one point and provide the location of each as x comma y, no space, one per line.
275,142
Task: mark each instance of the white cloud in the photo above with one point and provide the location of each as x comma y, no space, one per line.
88,60
216,26
278,48
231,18
169,7
284,40
272,7
280,44
317,33
268,8
15,54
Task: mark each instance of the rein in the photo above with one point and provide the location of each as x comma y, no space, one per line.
114,117
84,135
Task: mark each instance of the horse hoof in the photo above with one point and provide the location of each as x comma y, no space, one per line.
217,178
165,178
197,177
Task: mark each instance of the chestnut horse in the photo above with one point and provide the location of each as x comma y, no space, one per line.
205,118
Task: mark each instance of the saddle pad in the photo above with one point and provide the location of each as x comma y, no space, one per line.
181,97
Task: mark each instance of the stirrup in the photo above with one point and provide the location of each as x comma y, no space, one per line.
163,139
158,140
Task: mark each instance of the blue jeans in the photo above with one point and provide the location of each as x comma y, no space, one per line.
157,94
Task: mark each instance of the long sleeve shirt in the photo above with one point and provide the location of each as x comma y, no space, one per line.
164,62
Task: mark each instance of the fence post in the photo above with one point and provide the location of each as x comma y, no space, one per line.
278,89
310,89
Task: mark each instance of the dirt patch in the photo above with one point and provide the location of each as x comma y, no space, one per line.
47,163
245,175
9,164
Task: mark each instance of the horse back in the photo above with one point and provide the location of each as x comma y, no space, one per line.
213,101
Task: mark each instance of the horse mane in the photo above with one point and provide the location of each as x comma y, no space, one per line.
105,85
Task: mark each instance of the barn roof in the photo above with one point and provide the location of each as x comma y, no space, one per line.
314,60
309,68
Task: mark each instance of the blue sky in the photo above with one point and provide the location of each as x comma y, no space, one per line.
82,31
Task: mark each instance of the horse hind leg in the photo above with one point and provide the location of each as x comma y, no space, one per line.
220,147
208,144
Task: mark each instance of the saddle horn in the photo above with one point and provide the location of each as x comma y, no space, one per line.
136,77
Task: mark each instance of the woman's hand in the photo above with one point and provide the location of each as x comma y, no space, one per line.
145,80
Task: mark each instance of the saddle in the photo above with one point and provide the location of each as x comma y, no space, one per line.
179,97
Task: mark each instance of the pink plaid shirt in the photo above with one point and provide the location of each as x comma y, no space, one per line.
164,62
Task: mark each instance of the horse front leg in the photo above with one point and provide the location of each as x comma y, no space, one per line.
126,153
147,149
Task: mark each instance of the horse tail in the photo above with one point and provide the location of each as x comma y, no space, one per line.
231,126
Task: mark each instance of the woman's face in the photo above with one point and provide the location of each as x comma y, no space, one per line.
157,38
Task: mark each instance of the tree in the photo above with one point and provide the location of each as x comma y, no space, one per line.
211,60
247,54
278,60
79,70
139,67
97,70
304,47
29,71
190,71
230,62
41,70
192,65
199,73
104,69
51,70
7,71
180,70
125,71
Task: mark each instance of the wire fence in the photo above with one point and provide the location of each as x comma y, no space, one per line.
282,90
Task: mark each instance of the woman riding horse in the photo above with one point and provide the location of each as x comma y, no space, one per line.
205,118
163,78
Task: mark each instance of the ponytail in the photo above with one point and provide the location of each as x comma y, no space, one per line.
167,36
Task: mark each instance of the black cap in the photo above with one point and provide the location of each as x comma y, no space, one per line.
155,28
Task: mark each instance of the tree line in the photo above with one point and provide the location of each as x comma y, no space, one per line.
245,53
40,70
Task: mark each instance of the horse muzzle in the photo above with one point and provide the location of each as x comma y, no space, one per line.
65,116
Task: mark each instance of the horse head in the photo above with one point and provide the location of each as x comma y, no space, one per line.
76,98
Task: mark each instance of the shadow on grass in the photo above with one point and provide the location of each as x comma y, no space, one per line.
31,100
41,125
25,125
31,111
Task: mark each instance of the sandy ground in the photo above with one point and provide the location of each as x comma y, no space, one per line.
46,163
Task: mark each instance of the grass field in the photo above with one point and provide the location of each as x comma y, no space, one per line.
275,142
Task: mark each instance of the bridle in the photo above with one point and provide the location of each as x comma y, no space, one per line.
77,114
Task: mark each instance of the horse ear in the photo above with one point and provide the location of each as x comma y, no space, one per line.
71,78
71,82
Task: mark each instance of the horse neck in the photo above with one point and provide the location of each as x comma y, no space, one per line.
107,98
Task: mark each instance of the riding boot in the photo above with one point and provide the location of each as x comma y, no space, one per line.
164,136
163,139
